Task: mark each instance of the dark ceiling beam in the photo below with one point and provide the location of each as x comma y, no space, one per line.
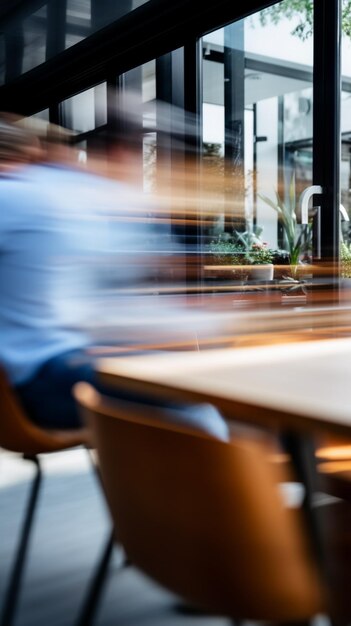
153,29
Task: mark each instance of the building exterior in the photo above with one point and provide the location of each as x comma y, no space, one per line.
260,84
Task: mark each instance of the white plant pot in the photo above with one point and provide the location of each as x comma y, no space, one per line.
242,272
261,272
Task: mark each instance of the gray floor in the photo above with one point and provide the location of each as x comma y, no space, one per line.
70,529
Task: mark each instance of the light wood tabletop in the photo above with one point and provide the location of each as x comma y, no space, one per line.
302,386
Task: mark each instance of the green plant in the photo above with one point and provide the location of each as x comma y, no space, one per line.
225,252
297,243
345,260
240,249
261,254
304,10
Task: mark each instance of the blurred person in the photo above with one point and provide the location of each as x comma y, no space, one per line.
59,241
16,148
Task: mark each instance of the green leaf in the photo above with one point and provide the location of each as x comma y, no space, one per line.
296,244
269,202
292,197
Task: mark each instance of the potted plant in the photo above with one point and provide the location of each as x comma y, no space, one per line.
297,240
345,260
244,254
345,271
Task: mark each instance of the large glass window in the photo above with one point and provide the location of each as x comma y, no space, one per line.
257,107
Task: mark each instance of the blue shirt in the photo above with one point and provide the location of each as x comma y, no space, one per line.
55,232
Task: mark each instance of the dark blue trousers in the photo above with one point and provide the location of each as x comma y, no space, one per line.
47,398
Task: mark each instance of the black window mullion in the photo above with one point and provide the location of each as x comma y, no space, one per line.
55,114
326,121
56,27
234,112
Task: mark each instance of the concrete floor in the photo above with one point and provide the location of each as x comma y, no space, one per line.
70,530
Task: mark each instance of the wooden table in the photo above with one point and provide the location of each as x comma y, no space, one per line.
298,389
294,386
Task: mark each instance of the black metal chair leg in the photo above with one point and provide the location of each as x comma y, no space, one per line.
16,575
94,592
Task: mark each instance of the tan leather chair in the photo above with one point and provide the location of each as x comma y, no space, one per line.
202,517
333,455
333,449
19,434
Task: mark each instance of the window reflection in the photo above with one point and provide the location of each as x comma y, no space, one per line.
30,38
142,82
35,36
23,43
149,123
2,59
345,164
257,121
78,21
87,110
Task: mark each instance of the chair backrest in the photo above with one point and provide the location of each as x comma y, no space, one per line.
19,434
202,517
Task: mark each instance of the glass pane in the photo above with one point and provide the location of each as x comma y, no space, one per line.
87,16
141,83
345,164
2,59
257,132
86,110
78,21
149,123
28,38
34,29
22,43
